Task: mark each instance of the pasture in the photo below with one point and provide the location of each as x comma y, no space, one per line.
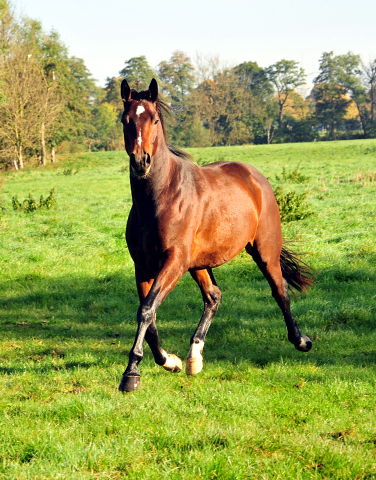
260,408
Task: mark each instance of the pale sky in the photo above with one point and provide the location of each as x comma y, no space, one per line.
107,33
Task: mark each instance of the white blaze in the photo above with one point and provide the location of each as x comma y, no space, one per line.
139,138
139,110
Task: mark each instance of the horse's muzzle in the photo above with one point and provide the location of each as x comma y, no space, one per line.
140,164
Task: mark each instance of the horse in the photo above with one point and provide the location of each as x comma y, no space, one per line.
186,218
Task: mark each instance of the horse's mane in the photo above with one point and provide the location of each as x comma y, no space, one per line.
162,109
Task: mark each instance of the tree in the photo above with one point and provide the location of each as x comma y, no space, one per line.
138,73
176,83
220,103
29,105
331,105
369,81
260,111
286,76
254,78
358,82
176,77
112,94
67,94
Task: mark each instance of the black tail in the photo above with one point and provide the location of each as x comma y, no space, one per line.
296,272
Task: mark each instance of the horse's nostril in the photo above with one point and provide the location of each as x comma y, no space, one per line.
148,159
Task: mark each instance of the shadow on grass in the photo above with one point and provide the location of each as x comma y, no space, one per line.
248,327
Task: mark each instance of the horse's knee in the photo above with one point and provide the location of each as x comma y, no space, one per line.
214,298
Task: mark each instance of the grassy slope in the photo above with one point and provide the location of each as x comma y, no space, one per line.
260,409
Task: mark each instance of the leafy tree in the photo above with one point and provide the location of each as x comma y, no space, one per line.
29,108
31,102
112,93
286,76
176,77
254,78
137,72
331,105
369,81
176,83
357,81
259,112
56,89
220,102
103,133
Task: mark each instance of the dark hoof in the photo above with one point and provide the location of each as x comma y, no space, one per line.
129,383
305,344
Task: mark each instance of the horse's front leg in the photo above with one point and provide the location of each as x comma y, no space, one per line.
170,361
155,292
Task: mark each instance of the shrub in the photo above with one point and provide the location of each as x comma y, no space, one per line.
31,205
293,176
292,205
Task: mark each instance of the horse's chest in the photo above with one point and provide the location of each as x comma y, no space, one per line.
144,243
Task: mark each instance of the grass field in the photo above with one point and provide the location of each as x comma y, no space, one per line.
260,408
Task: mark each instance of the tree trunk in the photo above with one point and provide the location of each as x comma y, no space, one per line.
372,93
43,153
15,163
20,159
53,155
280,116
363,120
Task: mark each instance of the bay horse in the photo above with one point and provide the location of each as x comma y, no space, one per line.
190,218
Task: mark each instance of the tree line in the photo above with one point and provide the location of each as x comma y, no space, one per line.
49,101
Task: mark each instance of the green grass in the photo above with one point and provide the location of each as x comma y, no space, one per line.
259,409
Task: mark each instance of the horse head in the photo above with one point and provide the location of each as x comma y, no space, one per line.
141,124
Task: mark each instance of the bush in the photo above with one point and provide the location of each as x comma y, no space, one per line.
292,205
293,176
31,205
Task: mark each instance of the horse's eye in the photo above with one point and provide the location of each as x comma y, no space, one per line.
155,123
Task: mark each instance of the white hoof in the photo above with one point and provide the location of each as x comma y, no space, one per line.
173,363
194,365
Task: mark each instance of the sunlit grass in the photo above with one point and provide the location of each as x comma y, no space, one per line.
259,409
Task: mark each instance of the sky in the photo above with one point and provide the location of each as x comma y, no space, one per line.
107,33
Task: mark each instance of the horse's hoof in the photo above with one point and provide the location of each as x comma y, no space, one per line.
305,344
194,365
173,363
129,383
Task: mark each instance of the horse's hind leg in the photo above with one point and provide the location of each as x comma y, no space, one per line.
267,257
212,298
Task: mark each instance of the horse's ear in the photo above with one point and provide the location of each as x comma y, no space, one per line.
125,91
153,90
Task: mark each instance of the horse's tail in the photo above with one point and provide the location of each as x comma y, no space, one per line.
297,273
